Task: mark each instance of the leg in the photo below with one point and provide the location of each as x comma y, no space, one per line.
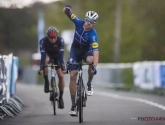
61,85
89,60
75,55
72,85
46,88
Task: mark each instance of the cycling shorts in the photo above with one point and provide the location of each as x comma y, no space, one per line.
77,55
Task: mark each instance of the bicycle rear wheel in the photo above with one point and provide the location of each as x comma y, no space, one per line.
80,101
53,92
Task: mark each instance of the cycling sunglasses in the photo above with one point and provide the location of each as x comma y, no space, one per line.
52,37
89,20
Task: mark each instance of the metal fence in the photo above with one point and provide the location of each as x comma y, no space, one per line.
10,104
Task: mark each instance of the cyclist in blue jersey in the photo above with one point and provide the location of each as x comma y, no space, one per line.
84,46
52,47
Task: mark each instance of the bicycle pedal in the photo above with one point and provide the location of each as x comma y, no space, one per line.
74,115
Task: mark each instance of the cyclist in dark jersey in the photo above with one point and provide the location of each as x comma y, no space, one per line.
84,46
52,47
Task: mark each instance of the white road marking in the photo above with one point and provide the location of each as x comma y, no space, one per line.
133,118
131,99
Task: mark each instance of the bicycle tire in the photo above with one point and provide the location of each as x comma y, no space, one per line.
53,92
80,101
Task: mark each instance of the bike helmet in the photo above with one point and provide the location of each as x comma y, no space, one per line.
92,15
52,31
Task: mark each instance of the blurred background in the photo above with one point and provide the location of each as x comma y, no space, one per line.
129,31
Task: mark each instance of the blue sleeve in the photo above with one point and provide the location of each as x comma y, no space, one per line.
94,42
61,51
73,18
43,53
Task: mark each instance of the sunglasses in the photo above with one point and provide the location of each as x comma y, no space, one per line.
89,20
52,37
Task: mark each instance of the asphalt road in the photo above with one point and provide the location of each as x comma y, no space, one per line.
105,107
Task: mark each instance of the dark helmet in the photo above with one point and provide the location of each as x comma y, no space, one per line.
52,31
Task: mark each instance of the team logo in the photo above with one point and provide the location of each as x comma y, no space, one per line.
73,16
95,45
70,60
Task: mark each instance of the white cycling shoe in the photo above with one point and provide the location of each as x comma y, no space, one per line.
73,112
89,90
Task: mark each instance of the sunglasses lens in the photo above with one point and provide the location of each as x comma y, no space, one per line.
52,37
89,20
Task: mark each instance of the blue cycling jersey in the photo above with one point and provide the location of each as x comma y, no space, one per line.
83,39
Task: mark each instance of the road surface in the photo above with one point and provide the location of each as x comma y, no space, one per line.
105,107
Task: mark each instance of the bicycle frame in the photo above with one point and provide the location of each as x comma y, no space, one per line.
54,90
81,91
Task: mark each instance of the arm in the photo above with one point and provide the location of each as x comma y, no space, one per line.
95,58
61,51
67,10
95,49
61,54
43,54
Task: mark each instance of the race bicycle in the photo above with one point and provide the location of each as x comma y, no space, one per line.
54,90
81,95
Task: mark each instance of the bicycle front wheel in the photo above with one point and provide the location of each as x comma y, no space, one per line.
53,92
80,101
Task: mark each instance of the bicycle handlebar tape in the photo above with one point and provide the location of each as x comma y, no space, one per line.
68,5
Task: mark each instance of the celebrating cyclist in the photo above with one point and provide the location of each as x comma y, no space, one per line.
84,46
52,47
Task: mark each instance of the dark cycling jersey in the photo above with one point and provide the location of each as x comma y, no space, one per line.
83,39
53,50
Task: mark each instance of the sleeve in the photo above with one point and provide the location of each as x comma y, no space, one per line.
43,53
73,18
94,42
61,51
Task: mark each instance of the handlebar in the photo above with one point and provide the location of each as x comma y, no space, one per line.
79,64
50,65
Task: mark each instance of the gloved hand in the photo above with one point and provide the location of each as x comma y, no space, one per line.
40,72
68,6
67,9
95,71
63,67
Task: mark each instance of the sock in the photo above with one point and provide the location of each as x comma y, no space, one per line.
61,94
89,80
46,78
73,100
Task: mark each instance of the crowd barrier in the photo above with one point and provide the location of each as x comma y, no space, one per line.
149,74
10,104
146,75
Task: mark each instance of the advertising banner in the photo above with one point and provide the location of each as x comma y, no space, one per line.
144,75
14,75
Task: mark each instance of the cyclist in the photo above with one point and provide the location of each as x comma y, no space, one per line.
52,47
84,46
